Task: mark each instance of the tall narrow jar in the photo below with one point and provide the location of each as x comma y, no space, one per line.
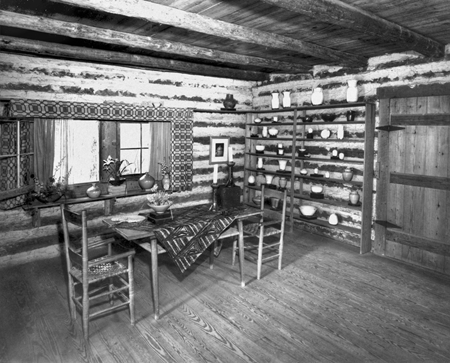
352,91
275,100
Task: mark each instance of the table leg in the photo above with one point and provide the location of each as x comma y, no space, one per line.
241,250
155,287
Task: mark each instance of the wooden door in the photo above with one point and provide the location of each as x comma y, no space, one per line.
413,191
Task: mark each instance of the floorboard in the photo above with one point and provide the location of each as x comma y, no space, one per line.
327,304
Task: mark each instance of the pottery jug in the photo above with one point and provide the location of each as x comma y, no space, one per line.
251,180
352,91
333,220
146,181
166,182
275,100
229,102
317,96
354,197
286,99
93,191
265,132
347,175
260,163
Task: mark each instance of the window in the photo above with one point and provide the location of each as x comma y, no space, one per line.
77,150
134,146
16,158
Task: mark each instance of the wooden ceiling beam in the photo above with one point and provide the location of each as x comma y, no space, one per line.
15,45
79,31
344,15
156,13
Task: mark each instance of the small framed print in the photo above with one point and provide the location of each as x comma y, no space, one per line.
218,150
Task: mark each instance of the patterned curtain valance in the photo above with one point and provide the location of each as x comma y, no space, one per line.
181,123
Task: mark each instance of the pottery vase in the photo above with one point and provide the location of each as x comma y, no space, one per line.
146,181
347,175
265,132
166,182
354,197
282,164
282,182
275,100
317,96
229,102
352,91
286,99
269,179
260,163
93,191
251,180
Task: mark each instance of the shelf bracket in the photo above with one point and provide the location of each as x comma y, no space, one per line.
386,224
389,128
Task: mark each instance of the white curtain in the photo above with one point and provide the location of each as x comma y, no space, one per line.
77,151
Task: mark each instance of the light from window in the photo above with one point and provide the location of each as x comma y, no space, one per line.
134,146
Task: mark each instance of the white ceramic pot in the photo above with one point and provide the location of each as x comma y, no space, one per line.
282,164
317,96
251,179
352,91
333,219
354,197
269,179
286,99
275,100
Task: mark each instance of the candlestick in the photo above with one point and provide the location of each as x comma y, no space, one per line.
230,154
214,206
230,181
216,171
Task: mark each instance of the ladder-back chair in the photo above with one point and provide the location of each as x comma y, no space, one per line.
95,272
263,240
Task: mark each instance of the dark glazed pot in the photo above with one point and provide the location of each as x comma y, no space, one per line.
229,102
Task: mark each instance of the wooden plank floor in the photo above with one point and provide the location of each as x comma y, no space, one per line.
328,304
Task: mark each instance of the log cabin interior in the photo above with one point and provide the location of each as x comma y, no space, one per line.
327,100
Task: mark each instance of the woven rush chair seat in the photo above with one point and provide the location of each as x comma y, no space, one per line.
254,228
100,271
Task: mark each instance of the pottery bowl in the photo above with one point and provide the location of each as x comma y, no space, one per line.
159,209
328,117
306,118
317,189
259,147
273,132
257,200
303,171
257,120
307,210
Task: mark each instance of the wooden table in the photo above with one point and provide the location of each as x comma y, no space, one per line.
147,240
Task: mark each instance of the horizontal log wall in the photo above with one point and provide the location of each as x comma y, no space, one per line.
39,78
390,70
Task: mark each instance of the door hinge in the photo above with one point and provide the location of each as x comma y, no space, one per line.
389,128
386,224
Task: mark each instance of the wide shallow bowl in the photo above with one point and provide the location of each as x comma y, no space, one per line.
259,147
257,120
257,200
307,210
317,189
306,118
303,171
159,209
273,132
328,117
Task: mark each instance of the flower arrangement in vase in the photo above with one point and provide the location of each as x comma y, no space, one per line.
159,201
165,170
52,189
115,169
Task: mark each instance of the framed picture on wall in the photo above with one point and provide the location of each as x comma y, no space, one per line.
218,150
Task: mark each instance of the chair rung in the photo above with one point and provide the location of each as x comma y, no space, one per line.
270,257
107,310
106,293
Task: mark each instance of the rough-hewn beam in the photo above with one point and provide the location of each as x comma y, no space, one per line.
166,15
12,44
74,30
342,14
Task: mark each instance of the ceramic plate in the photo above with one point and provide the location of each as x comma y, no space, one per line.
325,134
130,218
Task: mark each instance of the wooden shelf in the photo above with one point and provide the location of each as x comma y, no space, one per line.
297,139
